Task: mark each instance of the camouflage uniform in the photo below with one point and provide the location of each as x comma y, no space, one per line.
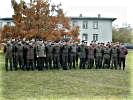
25,55
73,50
20,50
114,57
65,49
14,54
41,56
49,53
106,57
8,55
98,57
122,57
90,57
82,56
30,57
56,56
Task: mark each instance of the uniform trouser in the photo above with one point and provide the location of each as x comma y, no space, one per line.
15,62
25,62
77,59
82,63
20,61
65,61
35,62
49,61
114,62
72,60
106,61
40,63
8,59
98,62
30,64
122,62
56,61
90,63
61,59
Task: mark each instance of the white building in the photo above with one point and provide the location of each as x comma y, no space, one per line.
97,29
6,21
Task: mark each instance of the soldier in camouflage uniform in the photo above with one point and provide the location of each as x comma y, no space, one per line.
49,53
98,56
122,56
90,56
114,57
14,54
72,51
8,55
30,57
41,55
20,50
56,56
25,44
64,50
82,55
106,57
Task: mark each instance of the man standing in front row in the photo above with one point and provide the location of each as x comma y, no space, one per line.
90,56
49,53
98,56
8,55
30,56
41,55
122,56
72,51
106,57
82,55
114,56
64,51
56,56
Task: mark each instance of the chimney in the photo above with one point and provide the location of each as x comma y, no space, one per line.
99,15
80,15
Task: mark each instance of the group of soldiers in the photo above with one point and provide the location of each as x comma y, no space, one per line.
43,55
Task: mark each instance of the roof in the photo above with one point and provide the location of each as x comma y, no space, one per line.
92,18
6,18
76,18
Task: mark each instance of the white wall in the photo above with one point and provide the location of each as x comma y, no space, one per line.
104,30
4,22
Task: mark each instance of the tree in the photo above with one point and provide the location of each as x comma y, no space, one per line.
40,19
123,35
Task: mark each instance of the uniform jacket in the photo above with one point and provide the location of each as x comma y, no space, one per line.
41,50
90,53
30,52
8,50
123,52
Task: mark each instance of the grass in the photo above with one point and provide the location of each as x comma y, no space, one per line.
69,85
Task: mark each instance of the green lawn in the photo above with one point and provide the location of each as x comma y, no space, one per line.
69,85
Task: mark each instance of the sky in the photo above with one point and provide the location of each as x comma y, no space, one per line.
120,9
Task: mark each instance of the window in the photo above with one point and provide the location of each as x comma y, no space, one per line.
95,24
8,23
95,37
85,37
85,24
0,24
75,23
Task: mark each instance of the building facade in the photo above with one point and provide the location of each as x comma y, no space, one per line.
97,29
6,21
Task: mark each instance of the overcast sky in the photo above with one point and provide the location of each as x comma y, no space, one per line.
120,9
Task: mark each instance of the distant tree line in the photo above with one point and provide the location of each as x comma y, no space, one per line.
123,35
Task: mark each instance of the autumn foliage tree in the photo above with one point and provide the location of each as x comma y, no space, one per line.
40,19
